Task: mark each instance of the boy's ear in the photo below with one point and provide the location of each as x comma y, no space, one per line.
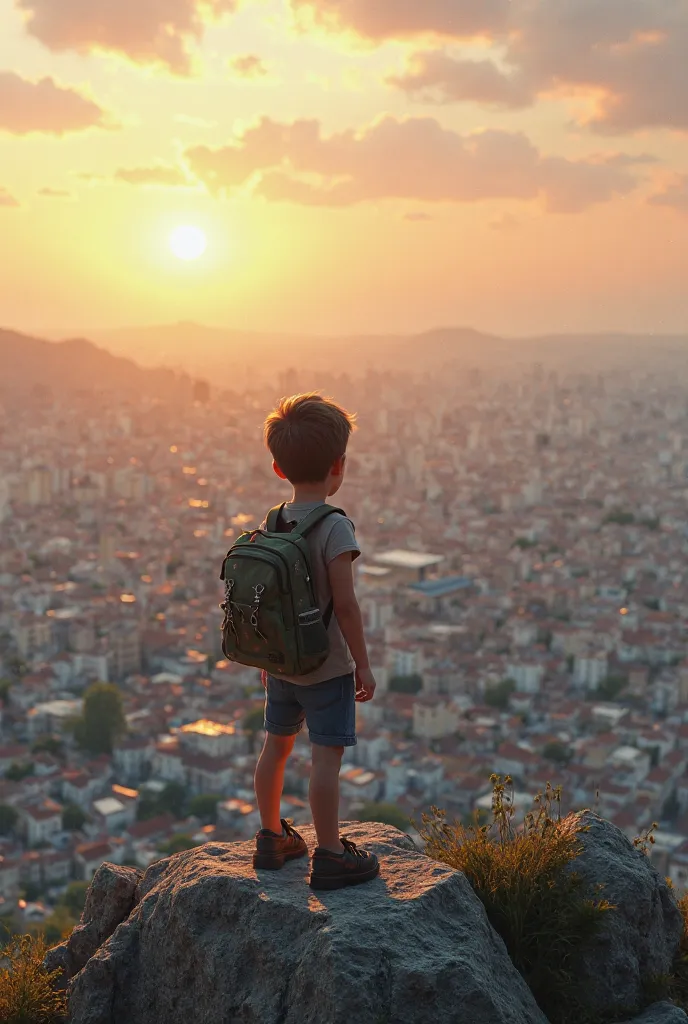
338,466
277,470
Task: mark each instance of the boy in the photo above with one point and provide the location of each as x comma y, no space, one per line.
307,437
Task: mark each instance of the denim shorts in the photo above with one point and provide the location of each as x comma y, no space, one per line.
328,709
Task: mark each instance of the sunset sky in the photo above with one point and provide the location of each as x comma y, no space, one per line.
356,165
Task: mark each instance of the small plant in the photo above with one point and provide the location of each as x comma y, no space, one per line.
26,992
646,839
520,874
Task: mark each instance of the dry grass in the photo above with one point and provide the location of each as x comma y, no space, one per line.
537,906
26,993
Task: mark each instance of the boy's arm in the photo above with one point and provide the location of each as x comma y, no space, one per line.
348,613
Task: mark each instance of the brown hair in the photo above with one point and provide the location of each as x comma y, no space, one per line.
306,434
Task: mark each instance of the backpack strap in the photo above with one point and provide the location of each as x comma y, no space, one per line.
272,521
303,528
310,521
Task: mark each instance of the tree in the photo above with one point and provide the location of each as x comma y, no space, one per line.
172,799
16,771
102,720
73,818
498,696
406,684
388,814
611,687
8,819
5,685
557,752
75,897
177,844
205,807
49,744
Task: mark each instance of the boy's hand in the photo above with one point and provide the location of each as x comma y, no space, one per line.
365,685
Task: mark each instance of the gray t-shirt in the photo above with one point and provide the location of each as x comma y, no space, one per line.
331,538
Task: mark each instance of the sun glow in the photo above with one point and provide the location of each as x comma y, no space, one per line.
188,242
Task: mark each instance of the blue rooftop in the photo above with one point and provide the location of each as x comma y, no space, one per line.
441,587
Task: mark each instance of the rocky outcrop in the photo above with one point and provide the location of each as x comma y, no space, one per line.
109,901
209,941
639,939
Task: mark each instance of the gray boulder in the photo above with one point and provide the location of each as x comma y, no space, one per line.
639,940
209,942
661,1013
110,899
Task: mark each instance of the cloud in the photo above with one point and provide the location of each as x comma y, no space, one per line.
55,193
674,195
414,159
385,19
145,31
160,174
631,53
627,56
6,199
437,77
44,106
248,65
417,216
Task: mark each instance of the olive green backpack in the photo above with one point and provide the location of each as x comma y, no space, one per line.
271,616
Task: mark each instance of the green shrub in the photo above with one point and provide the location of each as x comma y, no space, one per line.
26,993
536,905
387,814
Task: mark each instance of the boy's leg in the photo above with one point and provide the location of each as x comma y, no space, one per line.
331,716
269,779
323,795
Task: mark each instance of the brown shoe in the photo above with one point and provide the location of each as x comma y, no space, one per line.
337,870
273,850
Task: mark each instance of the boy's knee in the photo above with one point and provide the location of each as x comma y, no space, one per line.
327,755
279,746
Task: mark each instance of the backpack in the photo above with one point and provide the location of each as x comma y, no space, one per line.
271,616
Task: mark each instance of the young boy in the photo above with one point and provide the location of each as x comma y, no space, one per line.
307,437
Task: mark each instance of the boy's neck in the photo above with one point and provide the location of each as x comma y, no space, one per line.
306,494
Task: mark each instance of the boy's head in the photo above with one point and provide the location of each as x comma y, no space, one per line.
307,436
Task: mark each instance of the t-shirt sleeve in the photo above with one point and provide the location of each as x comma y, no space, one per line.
341,539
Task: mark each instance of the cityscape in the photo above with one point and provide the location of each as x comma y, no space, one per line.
523,584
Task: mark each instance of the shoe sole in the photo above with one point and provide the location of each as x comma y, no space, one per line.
275,862
342,881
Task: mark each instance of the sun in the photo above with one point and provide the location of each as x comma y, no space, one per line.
188,242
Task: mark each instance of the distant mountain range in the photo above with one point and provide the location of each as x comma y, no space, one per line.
161,360
27,362
223,353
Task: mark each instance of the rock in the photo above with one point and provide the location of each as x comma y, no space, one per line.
109,901
661,1013
211,942
639,940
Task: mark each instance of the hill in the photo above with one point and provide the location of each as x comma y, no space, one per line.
229,356
76,365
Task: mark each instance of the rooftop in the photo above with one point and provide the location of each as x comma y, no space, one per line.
204,727
441,587
401,559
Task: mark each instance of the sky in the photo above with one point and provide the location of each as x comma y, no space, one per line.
519,166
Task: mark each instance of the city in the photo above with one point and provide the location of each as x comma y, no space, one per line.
523,583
